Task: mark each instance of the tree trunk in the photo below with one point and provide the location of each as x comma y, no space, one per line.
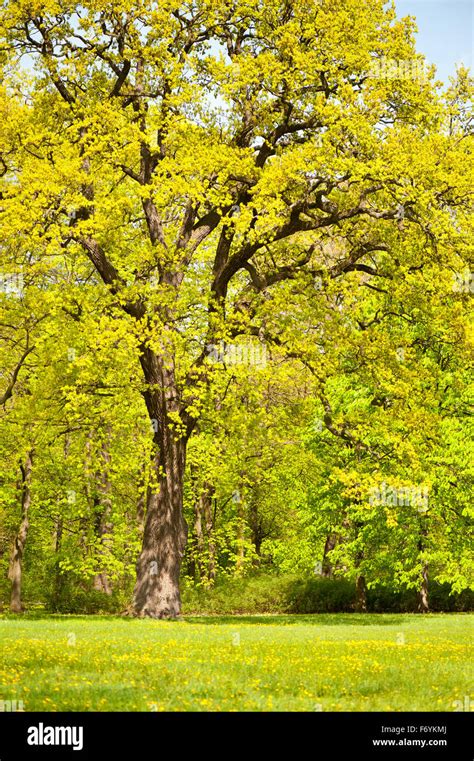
143,490
361,594
239,566
58,576
327,569
361,586
423,596
15,571
156,591
103,526
206,507
198,549
256,526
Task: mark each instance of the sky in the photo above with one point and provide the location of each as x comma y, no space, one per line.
445,31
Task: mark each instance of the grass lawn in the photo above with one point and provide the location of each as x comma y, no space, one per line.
333,662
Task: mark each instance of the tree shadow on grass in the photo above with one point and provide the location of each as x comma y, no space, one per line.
316,619
269,619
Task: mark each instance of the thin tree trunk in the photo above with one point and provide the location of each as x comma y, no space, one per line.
239,567
198,549
58,576
423,595
206,503
143,490
327,569
16,567
361,586
361,594
104,525
256,526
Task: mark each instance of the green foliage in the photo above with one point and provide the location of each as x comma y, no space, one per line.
383,599
290,594
321,596
261,594
74,599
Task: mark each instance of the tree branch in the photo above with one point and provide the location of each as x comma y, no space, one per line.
9,391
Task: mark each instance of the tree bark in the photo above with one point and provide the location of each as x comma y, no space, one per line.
258,530
330,544
103,526
198,549
16,562
361,586
423,595
361,594
206,509
58,576
239,566
203,565
156,593
143,490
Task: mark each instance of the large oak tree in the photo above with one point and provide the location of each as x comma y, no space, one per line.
196,157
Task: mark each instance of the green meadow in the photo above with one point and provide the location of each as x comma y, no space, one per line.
328,662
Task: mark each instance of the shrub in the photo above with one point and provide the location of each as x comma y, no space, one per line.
319,595
289,594
77,597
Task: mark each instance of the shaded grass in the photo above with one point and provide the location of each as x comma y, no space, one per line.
333,662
